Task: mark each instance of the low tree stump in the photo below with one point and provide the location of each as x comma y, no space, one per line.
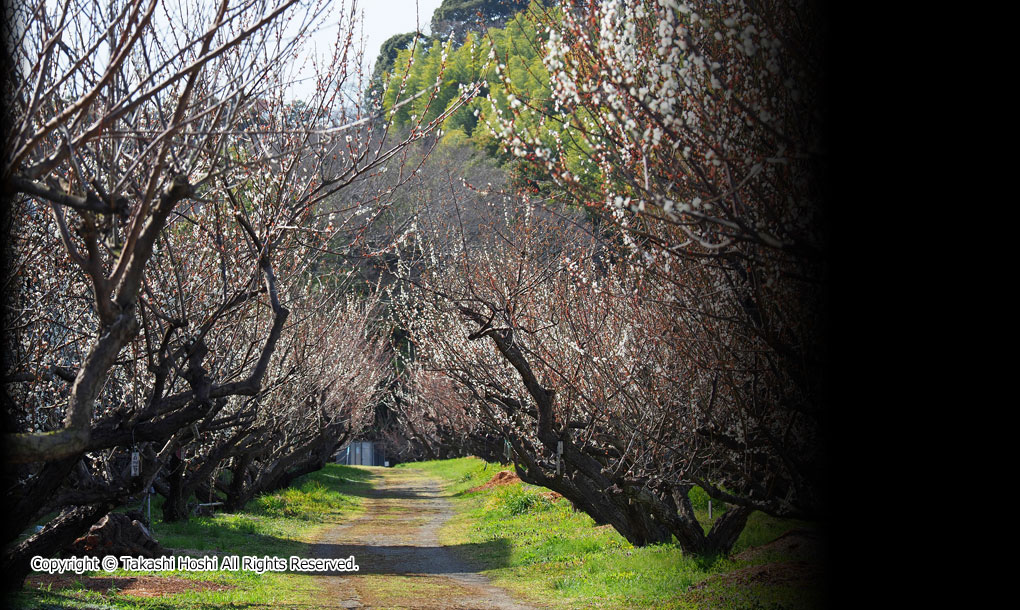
117,534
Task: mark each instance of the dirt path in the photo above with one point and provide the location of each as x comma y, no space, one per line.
402,565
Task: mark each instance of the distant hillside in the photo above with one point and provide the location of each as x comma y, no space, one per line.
458,17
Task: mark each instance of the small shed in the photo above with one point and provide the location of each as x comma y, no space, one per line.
362,453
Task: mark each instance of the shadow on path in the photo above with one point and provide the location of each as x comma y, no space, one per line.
401,563
410,559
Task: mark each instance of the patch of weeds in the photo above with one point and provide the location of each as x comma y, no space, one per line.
308,501
513,500
698,498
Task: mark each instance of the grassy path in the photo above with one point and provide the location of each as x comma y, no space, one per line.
437,535
395,543
542,551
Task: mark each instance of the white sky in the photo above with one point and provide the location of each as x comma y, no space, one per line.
382,19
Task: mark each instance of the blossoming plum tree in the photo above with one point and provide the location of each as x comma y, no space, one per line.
676,340
168,208
693,132
553,348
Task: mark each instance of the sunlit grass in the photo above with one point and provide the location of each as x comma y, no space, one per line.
281,524
558,557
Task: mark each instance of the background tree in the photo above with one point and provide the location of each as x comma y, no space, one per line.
695,137
685,340
171,207
553,348
454,19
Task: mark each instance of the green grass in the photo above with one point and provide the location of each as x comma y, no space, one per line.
558,557
283,523
459,474
540,549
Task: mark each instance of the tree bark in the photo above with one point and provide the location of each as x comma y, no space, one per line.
174,508
59,533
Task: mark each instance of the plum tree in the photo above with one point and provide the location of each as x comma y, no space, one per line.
169,207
